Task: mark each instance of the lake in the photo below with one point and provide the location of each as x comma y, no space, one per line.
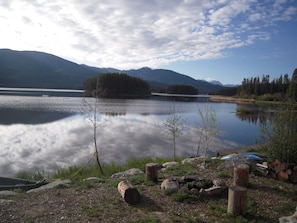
47,133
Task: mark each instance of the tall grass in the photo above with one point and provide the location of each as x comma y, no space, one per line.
81,172
30,175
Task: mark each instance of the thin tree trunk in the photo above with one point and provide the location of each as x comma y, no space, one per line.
95,132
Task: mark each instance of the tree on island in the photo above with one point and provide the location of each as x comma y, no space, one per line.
115,85
182,89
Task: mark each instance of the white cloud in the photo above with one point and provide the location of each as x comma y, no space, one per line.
130,34
47,147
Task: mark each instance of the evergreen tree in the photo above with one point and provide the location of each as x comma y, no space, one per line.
115,85
292,90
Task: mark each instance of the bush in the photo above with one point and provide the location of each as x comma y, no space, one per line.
281,134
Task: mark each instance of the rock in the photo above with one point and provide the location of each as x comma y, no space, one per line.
51,185
192,160
215,190
191,178
194,191
203,183
170,186
127,173
170,164
4,201
5,193
183,189
93,179
289,219
219,183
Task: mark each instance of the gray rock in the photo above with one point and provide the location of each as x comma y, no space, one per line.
93,179
5,193
170,186
288,219
4,201
215,190
170,164
127,173
219,183
191,160
51,185
194,191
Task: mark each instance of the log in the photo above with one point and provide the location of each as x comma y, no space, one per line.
129,192
151,170
237,200
289,171
282,176
272,165
293,177
280,168
241,175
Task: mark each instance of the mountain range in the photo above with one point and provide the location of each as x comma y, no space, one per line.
31,69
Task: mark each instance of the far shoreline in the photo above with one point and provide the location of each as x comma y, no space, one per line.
231,99
239,149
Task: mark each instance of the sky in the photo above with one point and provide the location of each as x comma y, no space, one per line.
224,40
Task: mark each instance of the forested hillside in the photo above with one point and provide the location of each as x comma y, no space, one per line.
30,69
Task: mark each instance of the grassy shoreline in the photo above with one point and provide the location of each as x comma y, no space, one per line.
78,172
99,201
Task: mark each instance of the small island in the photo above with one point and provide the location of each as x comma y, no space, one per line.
116,85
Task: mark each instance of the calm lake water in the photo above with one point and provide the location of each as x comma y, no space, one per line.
47,133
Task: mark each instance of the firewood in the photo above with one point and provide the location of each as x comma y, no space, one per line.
151,170
271,165
280,168
282,176
293,177
237,200
289,171
241,175
129,192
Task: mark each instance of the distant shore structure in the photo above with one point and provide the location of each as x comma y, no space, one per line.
44,92
198,97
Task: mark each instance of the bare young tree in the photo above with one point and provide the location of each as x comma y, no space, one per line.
91,106
207,128
173,126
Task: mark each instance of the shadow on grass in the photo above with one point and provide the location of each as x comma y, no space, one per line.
148,204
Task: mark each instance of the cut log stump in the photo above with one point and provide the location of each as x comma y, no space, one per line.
151,170
237,200
293,177
129,192
241,175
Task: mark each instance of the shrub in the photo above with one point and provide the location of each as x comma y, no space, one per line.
281,134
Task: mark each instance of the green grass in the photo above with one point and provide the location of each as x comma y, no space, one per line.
79,172
183,197
214,209
223,174
30,175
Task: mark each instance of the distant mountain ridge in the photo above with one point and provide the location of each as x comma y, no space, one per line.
219,83
33,69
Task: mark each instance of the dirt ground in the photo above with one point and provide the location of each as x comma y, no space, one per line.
268,199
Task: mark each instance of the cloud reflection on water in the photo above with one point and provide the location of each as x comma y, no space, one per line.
47,147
